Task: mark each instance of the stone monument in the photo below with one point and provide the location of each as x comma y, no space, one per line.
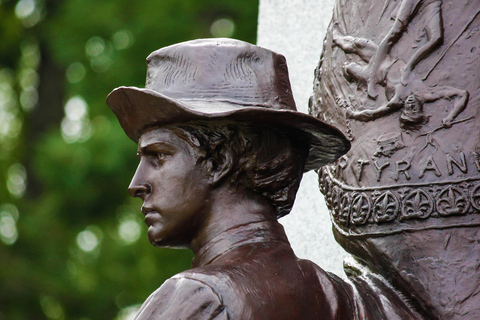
400,79
296,28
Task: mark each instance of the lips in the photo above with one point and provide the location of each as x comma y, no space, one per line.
151,218
148,210
151,215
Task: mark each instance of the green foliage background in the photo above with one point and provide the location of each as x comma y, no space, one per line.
72,243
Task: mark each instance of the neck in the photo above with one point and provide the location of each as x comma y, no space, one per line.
232,210
226,243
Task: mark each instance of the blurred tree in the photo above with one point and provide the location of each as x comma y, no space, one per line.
72,243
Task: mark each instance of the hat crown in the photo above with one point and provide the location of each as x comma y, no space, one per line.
223,70
222,80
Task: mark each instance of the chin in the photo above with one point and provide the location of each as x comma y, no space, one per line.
169,243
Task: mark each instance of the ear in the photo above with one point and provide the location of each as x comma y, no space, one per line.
220,166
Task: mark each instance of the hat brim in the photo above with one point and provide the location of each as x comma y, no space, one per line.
138,109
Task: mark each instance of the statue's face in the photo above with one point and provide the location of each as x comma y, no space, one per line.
173,187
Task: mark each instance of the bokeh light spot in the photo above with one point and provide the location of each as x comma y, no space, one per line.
10,126
129,230
8,217
89,239
94,46
75,72
8,228
29,12
7,96
17,180
24,8
222,28
75,125
11,210
52,308
101,63
29,98
122,39
30,54
29,78
75,108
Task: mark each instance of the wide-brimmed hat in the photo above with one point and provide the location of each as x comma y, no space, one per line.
217,80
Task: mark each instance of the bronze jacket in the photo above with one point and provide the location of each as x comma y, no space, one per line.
252,273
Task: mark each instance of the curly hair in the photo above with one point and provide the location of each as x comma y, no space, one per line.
266,160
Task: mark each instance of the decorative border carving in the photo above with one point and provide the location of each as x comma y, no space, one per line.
387,210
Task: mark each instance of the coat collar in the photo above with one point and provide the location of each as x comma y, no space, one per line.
254,233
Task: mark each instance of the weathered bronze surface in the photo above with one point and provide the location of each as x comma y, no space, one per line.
401,79
222,150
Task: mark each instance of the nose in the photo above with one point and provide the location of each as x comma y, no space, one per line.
139,187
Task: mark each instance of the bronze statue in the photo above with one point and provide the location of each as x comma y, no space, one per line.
222,150
400,78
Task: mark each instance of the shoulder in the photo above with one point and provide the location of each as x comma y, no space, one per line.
183,297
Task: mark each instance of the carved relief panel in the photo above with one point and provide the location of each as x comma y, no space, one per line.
401,80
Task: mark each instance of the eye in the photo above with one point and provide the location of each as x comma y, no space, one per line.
157,158
156,154
161,156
